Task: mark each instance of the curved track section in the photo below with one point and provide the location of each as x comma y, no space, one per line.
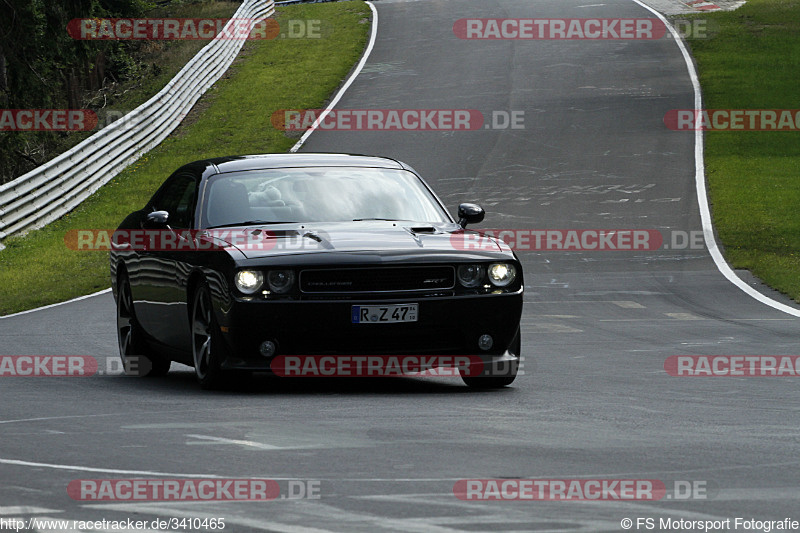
594,400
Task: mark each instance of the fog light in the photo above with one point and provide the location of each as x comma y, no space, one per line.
267,348
485,342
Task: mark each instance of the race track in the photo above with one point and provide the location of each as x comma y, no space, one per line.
593,402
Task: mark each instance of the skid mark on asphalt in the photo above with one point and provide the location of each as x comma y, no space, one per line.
237,442
549,327
301,512
346,516
684,316
628,304
435,511
602,308
231,514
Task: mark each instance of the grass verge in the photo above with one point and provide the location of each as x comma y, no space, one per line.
751,62
39,269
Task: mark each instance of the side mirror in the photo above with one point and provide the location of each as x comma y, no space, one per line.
470,214
156,220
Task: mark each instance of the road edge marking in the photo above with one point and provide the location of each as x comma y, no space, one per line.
700,184
79,298
350,80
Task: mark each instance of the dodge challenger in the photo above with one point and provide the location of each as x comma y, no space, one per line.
238,262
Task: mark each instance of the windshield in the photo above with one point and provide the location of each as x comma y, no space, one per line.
318,194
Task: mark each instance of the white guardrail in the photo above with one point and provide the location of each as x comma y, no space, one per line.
52,190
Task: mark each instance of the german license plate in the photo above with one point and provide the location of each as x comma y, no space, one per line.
384,314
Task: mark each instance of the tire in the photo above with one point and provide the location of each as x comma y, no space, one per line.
497,382
137,358
206,342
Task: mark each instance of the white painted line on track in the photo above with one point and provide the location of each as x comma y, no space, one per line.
15,462
79,298
700,184
347,84
39,419
23,509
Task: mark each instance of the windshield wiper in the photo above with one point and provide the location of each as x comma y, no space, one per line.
253,223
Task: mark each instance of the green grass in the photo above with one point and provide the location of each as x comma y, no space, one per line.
157,62
752,62
39,269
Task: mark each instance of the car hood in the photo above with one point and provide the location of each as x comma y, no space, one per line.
367,236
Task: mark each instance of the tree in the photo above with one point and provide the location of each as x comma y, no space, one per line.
42,67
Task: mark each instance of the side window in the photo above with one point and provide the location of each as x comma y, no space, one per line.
178,198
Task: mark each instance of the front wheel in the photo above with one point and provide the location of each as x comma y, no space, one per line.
206,341
130,336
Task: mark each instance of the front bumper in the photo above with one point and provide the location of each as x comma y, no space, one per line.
449,325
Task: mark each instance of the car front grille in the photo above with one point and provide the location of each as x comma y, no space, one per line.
379,279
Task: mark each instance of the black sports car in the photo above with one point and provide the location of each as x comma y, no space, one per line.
238,262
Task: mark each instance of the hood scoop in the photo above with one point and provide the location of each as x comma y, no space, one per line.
424,230
313,236
272,233
418,231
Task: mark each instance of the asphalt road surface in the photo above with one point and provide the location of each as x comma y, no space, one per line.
593,401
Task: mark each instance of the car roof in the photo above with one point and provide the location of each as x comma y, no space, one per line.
252,162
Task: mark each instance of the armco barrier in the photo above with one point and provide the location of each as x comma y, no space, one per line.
50,191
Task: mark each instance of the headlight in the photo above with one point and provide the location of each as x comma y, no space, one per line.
280,281
249,281
502,274
470,275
